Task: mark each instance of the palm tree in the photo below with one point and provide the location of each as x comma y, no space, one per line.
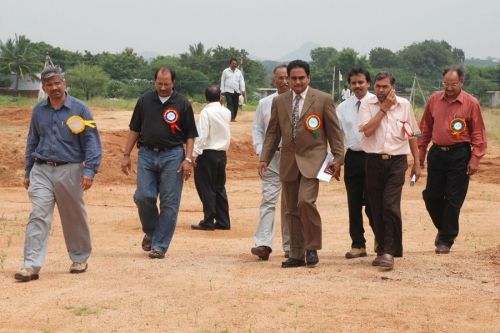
18,56
198,50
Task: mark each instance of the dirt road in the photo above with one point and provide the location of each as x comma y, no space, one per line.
209,281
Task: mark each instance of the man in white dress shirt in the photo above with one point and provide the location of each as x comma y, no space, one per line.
345,93
271,185
209,159
355,157
232,85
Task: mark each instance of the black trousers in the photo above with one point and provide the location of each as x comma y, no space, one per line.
232,102
210,182
447,184
355,184
384,183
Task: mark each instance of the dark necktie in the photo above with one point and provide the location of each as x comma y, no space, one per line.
358,103
295,116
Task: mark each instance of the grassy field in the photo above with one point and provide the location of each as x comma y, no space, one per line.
106,103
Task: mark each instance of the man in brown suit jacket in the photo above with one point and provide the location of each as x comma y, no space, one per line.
305,121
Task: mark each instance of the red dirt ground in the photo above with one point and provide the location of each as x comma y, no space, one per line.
209,281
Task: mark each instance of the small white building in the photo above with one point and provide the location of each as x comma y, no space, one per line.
494,99
27,87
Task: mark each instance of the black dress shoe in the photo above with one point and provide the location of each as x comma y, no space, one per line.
442,249
262,252
312,257
291,262
221,227
203,226
146,242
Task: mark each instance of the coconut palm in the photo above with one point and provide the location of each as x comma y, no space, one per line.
18,56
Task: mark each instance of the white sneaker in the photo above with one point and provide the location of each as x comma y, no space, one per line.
26,274
78,267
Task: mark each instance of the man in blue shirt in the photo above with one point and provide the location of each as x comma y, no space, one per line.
63,154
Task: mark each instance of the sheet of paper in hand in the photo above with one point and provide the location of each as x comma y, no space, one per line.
325,172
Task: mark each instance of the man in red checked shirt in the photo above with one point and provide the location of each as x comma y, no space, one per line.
452,120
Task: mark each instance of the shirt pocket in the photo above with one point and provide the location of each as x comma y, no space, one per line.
397,131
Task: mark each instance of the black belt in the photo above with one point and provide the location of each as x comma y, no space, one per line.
156,149
384,156
452,147
51,163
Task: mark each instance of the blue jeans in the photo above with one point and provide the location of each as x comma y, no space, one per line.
157,174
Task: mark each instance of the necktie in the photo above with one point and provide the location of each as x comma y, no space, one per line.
295,116
358,103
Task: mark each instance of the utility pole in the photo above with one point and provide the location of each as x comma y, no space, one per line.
242,72
333,84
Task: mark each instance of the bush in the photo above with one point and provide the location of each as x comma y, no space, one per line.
114,88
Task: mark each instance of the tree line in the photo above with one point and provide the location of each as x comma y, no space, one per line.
127,75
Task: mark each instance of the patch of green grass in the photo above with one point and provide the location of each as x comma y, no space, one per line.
112,103
82,310
491,119
17,101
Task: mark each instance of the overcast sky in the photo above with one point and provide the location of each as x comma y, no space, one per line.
265,28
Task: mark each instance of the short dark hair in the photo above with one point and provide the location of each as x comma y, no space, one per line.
455,68
277,67
385,75
298,64
357,71
212,93
165,69
233,59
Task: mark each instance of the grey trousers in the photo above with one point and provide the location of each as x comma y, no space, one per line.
271,188
48,186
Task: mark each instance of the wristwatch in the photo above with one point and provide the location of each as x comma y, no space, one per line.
189,160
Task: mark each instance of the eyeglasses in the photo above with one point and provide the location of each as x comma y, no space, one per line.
451,84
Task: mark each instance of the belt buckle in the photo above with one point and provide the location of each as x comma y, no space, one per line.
444,148
386,156
156,149
52,164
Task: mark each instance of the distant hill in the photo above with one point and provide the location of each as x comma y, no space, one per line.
303,53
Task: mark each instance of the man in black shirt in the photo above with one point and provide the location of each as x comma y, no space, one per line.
162,122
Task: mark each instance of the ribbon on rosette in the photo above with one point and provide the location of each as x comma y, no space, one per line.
171,117
406,128
77,124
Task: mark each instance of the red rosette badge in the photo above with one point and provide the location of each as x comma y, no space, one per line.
457,127
171,117
313,124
